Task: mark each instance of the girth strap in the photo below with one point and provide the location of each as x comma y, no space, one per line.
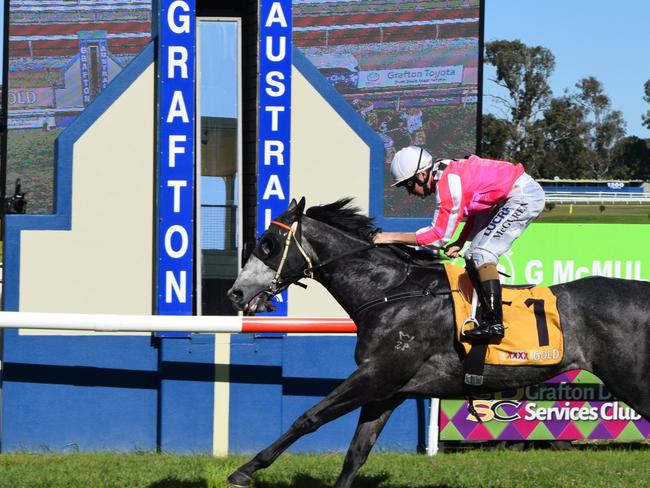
473,366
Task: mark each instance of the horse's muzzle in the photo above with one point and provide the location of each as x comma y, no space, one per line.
236,297
259,303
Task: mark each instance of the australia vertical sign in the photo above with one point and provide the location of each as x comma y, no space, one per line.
274,116
175,192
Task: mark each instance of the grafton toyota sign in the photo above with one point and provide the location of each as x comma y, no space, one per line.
435,75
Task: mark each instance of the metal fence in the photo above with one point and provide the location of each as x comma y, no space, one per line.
605,197
219,227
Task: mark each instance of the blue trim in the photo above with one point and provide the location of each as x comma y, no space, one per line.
175,161
61,219
67,66
356,123
79,392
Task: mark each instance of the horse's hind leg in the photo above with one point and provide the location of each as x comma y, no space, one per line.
635,395
629,383
372,419
364,386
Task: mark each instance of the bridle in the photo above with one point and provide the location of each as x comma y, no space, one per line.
275,286
279,284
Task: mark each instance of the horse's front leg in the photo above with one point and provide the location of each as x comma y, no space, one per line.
372,419
367,384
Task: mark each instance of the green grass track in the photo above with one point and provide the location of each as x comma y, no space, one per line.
474,468
596,214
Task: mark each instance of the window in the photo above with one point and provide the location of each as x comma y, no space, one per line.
219,153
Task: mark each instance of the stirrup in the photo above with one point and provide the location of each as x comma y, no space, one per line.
469,320
482,331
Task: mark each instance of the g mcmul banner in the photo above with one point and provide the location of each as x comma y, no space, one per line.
574,405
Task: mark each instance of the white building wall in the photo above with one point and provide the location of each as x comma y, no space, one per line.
105,262
328,161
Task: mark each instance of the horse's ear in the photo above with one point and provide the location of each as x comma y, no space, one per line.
292,205
301,206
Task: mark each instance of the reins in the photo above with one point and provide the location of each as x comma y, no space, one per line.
427,291
277,284
343,255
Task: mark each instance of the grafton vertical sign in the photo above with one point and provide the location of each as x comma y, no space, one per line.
274,116
175,157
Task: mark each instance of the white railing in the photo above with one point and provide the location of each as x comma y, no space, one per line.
175,323
628,198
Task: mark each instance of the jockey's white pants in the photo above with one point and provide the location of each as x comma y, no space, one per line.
494,233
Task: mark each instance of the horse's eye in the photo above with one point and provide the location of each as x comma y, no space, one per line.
267,246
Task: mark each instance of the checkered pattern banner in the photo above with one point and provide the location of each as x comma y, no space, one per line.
572,406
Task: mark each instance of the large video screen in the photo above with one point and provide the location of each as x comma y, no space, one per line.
61,56
410,69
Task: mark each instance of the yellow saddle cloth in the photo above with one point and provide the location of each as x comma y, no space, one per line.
533,334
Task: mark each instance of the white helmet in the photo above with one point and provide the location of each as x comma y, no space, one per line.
408,162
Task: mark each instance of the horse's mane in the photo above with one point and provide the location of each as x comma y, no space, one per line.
343,215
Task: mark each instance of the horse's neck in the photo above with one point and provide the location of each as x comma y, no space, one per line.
357,278
341,277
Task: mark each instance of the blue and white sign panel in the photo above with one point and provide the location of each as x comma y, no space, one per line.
274,117
175,245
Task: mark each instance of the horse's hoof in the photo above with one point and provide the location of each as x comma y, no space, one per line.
239,480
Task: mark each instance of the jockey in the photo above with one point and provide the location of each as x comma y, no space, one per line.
498,199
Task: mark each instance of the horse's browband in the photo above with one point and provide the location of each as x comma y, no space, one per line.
280,224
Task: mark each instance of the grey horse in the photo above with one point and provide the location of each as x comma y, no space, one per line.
606,326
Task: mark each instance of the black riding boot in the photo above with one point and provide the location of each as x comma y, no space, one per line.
491,324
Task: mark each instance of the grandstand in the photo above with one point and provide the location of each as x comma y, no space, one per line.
62,53
595,191
406,38
49,28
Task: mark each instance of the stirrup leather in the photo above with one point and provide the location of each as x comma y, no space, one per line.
481,329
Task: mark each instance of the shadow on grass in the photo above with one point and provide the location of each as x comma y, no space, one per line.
302,480
451,447
176,483
612,446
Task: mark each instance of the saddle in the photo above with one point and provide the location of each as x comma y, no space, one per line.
533,335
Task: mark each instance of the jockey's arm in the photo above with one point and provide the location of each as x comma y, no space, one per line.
407,238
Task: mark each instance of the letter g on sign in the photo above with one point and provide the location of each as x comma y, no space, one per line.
184,26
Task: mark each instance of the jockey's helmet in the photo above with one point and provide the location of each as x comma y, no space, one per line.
408,162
